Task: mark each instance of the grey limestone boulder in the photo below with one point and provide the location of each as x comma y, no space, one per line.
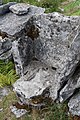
12,25
35,83
5,8
22,8
53,44
71,70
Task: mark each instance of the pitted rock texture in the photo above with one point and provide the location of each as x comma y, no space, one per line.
22,8
45,50
71,71
37,79
74,104
22,51
54,44
5,48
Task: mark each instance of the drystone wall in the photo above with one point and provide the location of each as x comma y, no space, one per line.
46,53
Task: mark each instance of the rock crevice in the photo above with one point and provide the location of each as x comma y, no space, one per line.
46,53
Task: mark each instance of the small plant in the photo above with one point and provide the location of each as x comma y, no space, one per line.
7,73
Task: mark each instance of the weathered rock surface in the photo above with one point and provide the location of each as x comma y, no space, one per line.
5,48
74,104
4,92
22,8
12,24
71,86
46,52
71,70
37,79
5,8
18,112
54,35
22,51
54,39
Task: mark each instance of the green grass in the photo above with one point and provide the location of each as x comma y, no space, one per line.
7,73
6,113
49,5
72,8
50,112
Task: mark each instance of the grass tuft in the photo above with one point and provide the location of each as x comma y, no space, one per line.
7,73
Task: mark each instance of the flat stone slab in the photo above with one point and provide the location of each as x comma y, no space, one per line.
22,8
12,24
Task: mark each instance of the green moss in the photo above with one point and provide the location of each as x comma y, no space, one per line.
7,73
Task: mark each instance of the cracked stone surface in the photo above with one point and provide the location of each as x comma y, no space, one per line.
46,53
74,104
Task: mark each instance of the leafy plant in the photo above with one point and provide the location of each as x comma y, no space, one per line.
7,73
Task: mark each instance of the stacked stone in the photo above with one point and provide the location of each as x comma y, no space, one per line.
46,52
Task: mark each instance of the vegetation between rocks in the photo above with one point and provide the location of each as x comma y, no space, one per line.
50,5
51,112
7,73
70,7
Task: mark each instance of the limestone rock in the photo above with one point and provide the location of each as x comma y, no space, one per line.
71,71
34,10
74,104
18,112
37,79
5,48
22,8
12,24
53,38
53,44
72,85
22,51
4,92
53,41
5,8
